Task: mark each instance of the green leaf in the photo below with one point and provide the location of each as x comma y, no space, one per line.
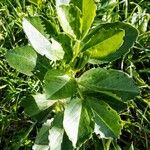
41,44
104,43
58,140
112,81
77,122
88,9
108,122
66,43
23,59
41,142
66,144
37,106
115,102
69,18
42,66
130,37
59,85
44,26
105,6
56,133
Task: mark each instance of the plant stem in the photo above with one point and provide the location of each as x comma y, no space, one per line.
106,143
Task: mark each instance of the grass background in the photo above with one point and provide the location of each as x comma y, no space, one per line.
17,130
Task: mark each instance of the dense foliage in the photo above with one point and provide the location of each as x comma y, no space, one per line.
77,75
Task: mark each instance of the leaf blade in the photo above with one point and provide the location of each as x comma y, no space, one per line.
78,119
110,81
56,133
104,43
107,120
130,37
59,85
37,106
69,18
88,9
52,51
26,55
41,141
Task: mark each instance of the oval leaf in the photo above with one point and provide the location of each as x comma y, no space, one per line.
23,59
59,85
41,44
77,122
104,43
108,122
130,37
112,81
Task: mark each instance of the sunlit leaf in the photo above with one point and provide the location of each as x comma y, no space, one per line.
77,121
52,50
56,133
129,38
88,10
104,43
37,106
69,18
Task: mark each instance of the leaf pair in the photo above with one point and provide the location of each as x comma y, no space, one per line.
39,40
103,44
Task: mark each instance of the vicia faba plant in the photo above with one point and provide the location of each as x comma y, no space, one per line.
83,104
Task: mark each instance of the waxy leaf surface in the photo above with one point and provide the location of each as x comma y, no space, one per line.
52,50
78,122
130,36
37,106
56,133
69,18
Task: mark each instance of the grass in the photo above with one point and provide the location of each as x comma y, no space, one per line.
17,130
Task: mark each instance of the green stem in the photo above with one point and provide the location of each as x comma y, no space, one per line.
106,143
126,9
80,93
76,49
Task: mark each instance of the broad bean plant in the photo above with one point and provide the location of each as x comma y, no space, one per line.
85,100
